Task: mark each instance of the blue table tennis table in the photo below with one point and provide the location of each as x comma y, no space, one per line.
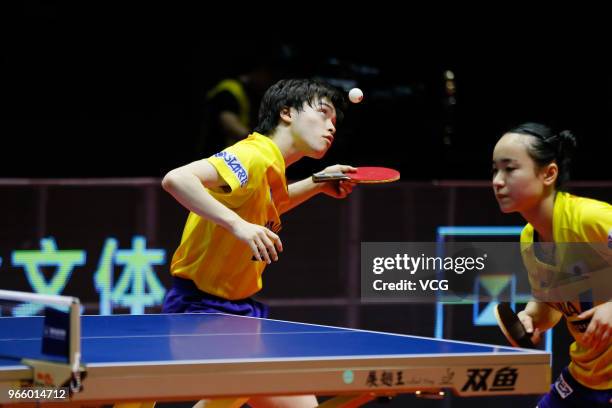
183,357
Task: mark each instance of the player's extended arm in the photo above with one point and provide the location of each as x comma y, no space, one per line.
537,317
303,190
185,184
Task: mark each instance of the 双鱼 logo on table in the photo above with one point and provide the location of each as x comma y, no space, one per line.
481,379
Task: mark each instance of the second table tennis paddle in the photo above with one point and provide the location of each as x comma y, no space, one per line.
512,327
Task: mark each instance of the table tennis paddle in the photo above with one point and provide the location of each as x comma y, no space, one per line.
367,175
512,327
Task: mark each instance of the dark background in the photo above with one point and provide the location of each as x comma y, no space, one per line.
119,92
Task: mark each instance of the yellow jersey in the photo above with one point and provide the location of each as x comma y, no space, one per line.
214,259
576,220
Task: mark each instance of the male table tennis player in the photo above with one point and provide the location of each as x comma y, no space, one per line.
236,198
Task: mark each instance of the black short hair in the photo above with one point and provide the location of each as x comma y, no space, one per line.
293,93
547,146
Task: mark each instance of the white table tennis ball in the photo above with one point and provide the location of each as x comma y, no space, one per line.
355,95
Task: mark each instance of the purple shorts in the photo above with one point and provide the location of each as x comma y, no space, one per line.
566,392
185,297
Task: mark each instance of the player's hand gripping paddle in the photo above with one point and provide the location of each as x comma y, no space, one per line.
512,327
362,175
